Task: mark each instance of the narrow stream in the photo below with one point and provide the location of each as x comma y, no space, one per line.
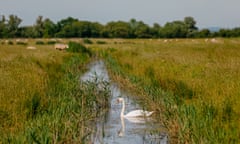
111,128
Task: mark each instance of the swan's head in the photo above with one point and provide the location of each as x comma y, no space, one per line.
120,100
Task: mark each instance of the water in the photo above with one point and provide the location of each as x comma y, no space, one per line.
110,128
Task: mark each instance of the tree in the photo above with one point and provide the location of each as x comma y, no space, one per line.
63,27
142,30
203,33
225,33
133,26
2,26
191,26
175,29
155,30
82,29
49,28
190,23
12,26
96,29
27,32
236,32
67,31
39,27
118,29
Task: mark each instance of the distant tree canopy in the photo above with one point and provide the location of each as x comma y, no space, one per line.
71,27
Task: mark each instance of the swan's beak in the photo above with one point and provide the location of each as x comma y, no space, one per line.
117,101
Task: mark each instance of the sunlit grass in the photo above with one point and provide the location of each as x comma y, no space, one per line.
22,76
201,78
41,99
192,84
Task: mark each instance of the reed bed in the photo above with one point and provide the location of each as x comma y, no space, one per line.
193,83
42,99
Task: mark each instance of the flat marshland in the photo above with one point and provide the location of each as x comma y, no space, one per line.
192,84
41,99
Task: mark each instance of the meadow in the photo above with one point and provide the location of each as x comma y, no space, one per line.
193,84
41,98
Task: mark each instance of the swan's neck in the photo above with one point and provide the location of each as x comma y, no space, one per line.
123,108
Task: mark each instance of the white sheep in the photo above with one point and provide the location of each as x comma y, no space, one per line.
60,46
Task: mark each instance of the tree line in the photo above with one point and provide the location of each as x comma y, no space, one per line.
71,27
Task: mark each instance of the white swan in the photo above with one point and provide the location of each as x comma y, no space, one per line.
135,113
121,132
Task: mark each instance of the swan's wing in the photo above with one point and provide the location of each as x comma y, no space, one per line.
134,113
138,113
139,120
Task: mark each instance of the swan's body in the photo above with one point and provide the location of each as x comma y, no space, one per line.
135,113
138,113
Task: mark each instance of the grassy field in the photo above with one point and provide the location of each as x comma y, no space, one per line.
41,99
193,83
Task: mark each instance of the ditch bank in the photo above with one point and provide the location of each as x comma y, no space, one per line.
110,127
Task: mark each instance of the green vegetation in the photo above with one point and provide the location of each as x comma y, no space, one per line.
41,98
87,41
101,42
71,27
39,42
78,48
192,84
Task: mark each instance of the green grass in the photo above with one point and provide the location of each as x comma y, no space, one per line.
42,100
193,83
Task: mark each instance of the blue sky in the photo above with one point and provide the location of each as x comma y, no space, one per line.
207,13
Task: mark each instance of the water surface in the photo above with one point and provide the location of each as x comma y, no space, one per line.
110,128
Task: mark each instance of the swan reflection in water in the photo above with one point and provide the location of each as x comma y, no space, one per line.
117,129
121,132
136,116
133,130
147,135
136,120
142,119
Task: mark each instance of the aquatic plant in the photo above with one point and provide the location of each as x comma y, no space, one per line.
49,105
193,84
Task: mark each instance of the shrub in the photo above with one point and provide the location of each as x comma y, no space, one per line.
51,42
87,41
78,48
39,42
101,42
10,42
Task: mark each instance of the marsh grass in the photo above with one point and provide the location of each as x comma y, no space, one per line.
42,100
193,83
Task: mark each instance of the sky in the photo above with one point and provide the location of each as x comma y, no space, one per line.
207,13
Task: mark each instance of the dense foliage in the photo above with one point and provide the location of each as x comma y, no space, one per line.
71,27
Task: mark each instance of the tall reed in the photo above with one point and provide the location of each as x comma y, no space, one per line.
63,111
192,83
